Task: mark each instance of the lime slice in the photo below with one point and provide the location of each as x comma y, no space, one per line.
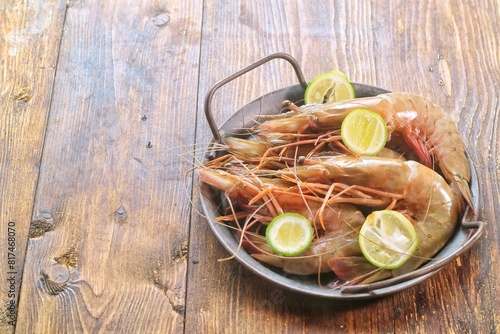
387,239
289,234
329,87
364,132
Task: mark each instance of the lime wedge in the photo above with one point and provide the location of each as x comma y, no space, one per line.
387,239
329,87
364,132
289,234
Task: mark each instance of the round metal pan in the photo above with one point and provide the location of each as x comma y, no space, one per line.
465,236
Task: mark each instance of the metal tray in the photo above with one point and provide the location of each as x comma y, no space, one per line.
465,236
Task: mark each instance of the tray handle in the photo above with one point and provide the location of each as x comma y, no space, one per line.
219,84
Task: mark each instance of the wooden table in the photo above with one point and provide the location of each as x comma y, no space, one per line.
102,108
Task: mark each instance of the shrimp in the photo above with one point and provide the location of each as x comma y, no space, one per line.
426,200
255,151
337,229
339,239
258,152
421,194
426,128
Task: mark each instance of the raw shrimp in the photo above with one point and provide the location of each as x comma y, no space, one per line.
254,151
339,239
337,229
260,153
419,192
426,199
426,128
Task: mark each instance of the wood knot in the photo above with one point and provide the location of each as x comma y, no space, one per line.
41,224
180,251
23,95
68,259
121,215
161,19
55,280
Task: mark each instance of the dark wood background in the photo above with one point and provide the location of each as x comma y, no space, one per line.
101,108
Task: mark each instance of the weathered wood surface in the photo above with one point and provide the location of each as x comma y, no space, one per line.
448,53
114,257
29,45
116,91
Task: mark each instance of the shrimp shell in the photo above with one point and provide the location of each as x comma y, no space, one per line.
427,200
339,223
426,128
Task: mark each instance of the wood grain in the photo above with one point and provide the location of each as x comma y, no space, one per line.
30,33
112,181
447,52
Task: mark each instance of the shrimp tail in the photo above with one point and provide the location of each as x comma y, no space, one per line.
256,246
300,266
269,259
294,265
357,269
462,185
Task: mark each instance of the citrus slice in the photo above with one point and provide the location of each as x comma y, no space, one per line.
329,87
364,132
289,234
387,239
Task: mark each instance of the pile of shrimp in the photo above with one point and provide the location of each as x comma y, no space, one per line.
295,162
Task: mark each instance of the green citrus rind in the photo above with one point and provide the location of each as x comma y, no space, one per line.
289,234
387,239
329,87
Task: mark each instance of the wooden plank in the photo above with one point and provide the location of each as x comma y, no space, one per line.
438,51
223,296
456,76
112,187
30,33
